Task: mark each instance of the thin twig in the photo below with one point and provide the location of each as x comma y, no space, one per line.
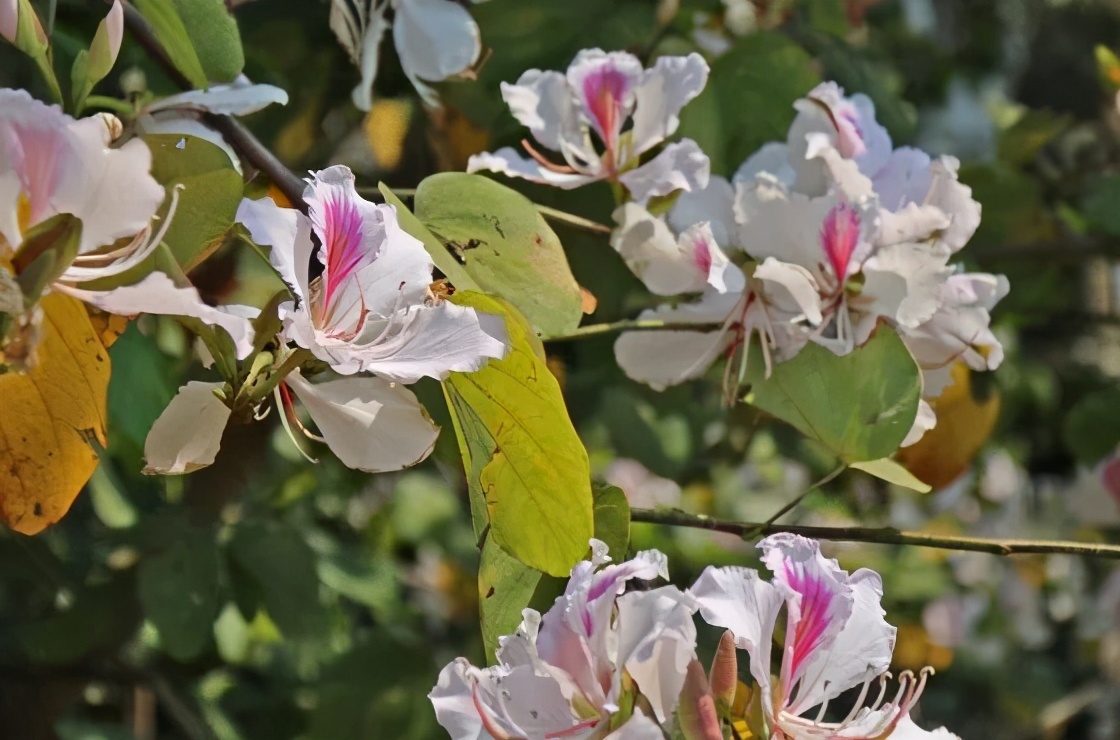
552,214
236,135
592,330
877,535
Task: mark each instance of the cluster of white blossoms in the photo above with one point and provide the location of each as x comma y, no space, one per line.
837,232
608,662
816,239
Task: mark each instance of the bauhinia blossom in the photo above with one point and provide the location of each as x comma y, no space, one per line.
368,311
835,639
569,673
52,164
583,118
436,40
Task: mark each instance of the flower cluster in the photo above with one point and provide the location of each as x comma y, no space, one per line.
607,662
838,232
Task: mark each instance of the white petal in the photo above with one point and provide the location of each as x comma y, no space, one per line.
508,162
923,422
371,424
664,358
638,727
680,166
158,294
903,283
435,39
907,730
780,224
791,289
911,223
656,642
430,342
860,652
238,98
713,204
114,30
771,159
955,199
664,90
375,29
69,166
960,327
666,265
737,599
188,433
605,86
287,234
453,702
543,102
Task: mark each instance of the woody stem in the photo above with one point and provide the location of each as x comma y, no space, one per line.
878,535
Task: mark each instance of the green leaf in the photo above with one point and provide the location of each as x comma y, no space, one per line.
143,382
172,34
859,406
612,519
505,586
505,244
210,192
755,85
522,456
282,569
444,261
180,590
213,33
887,469
1091,429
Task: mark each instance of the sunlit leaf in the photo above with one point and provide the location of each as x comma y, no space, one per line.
859,406
53,419
892,472
522,456
504,244
442,259
505,586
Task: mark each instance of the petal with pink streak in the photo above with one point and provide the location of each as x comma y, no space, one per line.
543,103
605,85
818,603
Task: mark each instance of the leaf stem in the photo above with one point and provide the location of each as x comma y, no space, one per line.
109,103
800,497
232,130
614,327
878,535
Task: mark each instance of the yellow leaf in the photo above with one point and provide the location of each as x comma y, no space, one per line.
52,415
107,326
964,425
386,128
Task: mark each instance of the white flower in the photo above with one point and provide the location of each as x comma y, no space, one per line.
561,675
668,265
835,639
371,309
435,39
582,116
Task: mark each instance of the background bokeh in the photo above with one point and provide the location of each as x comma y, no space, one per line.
311,601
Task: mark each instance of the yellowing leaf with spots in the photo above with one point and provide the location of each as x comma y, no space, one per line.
51,418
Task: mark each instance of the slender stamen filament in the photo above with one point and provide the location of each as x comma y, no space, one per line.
544,162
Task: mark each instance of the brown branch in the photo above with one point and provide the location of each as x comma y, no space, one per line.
877,535
233,131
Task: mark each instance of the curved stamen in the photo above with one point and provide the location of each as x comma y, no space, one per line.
543,162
